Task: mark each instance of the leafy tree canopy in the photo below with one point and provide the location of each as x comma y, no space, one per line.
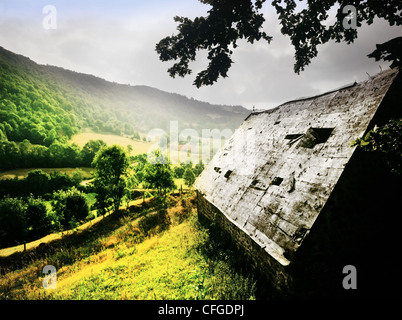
389,51
230,20
111,165
386,140
159,174
189,177
37,221
70,206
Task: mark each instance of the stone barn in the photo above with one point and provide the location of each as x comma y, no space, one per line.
301,203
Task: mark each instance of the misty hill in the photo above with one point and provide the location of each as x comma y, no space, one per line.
71,101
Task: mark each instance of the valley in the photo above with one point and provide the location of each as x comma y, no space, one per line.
79,190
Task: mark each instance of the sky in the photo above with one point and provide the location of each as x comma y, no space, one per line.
115,40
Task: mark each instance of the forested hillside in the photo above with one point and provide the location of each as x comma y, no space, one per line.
41,107
73,100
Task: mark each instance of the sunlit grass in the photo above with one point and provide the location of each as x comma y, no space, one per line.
138,147
141,258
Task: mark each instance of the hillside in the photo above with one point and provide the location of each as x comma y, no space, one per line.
74,101
133,254
52,118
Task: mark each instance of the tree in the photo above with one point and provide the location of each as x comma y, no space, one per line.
12,221
89,151
231,20
37,182
386,140
179,171
70,207
77,177
57,153
389,51
111,164
159,175
103,202
50,138
9,155
71,155
199,167
76,206
129,149
140,162
3,135
59,181
37,220
189,177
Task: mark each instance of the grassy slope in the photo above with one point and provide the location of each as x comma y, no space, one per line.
134,255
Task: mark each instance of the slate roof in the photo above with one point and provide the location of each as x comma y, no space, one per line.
275,174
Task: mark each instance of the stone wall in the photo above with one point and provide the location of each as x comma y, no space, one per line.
271,270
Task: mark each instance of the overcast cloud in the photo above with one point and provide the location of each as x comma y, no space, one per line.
115,40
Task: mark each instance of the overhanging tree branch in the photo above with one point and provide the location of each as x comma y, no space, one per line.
230,20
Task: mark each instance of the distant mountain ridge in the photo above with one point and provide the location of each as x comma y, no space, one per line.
108,106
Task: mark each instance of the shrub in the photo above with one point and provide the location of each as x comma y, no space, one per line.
153,223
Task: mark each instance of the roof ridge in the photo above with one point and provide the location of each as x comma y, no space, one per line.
348,86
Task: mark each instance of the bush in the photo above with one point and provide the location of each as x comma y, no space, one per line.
154,223
181,211
90,216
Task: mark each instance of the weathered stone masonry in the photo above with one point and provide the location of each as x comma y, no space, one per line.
266,265
277,174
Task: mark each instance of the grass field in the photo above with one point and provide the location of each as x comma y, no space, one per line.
139,147
139,254
202,151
